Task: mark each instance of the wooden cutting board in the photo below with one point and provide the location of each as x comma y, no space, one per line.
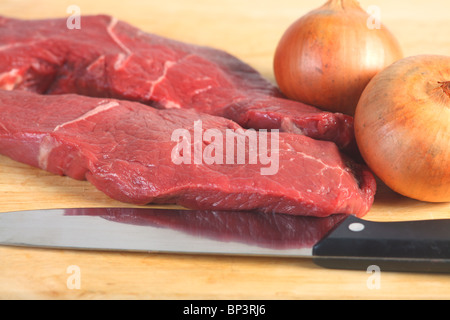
250,30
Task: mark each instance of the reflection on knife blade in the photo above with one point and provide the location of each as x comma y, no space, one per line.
275,231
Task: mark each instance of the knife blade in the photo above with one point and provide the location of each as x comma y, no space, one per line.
337,241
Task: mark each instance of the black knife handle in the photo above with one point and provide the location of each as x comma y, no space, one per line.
407,246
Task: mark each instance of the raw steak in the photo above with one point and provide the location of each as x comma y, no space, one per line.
126,150
110,58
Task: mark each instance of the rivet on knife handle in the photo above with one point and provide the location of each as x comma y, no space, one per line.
410,246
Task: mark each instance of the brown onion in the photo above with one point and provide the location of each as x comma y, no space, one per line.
402,127
327,57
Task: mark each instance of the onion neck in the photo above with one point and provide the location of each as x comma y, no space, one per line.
445,86
343,4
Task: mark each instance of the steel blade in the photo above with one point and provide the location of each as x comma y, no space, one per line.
160,230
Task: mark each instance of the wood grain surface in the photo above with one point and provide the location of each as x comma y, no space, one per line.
250,30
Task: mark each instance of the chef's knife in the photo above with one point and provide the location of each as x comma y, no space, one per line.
338,241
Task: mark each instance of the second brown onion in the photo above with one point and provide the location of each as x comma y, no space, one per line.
327,57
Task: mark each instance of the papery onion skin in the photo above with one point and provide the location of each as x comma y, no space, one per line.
327,57
402,127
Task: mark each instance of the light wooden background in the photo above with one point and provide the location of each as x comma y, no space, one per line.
249,29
